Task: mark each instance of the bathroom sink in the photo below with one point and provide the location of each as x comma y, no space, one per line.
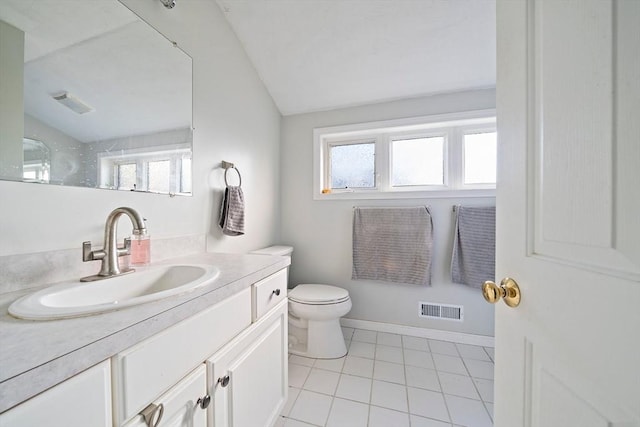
75,298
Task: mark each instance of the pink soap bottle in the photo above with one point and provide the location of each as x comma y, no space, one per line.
140,248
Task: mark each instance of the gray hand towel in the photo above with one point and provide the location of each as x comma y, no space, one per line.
474,245
232,212
392,244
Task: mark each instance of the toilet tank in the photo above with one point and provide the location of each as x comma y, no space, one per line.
275,250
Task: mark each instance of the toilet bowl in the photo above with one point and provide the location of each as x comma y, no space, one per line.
314,320
314,315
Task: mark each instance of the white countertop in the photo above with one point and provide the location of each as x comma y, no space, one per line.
36,355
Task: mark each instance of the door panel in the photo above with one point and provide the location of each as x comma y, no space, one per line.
568,199
577,129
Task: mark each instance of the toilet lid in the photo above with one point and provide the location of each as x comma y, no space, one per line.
318,294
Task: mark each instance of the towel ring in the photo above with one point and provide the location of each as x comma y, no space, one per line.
239,176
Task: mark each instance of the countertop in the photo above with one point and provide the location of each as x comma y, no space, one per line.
37,355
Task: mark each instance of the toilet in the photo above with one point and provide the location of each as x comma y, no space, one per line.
314,316
314,320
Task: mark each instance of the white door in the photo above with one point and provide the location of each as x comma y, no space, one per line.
568,213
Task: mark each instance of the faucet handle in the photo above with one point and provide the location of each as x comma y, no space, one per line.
86,251
126,249
89,255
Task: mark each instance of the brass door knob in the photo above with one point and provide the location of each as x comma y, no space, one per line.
508,290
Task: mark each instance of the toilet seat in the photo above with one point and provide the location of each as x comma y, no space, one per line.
314,294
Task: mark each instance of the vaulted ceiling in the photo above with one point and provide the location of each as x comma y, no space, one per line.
317,55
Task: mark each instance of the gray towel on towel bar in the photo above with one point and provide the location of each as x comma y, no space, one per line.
392,244
474,245
232,212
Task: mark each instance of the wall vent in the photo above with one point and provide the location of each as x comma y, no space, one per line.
441,311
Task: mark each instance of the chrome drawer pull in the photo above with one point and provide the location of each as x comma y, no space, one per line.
152,414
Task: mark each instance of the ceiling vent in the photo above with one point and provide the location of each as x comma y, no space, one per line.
72,103
442,311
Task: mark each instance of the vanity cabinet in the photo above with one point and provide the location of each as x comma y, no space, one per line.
81,401
236,352
247,379
223,366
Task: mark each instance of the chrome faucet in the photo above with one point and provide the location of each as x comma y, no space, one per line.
110,253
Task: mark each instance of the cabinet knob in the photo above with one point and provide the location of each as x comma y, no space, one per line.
277,292
224,381
152,414
203,402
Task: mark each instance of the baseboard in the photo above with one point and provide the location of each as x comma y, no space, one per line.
435,334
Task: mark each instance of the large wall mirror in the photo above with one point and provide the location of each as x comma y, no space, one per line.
94,97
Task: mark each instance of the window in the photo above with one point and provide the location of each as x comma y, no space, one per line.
480,155
158,170
352,165
437,156
158,174
418,161
126,176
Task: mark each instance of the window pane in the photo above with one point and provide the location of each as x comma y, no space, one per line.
353,166
159,174
417,161
185,177
480,158
127,176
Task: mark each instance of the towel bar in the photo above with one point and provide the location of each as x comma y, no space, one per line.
227,166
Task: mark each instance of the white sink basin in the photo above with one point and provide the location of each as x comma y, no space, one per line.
75,298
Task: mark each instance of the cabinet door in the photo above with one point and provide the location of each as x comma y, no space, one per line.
256,366
180,404
82,401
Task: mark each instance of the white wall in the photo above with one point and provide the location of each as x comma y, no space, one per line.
234,119
320,230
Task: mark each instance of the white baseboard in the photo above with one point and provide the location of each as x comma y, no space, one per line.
435,334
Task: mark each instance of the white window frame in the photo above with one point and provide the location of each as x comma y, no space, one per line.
453,125
427,133
333,142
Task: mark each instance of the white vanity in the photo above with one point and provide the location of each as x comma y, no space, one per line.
217,357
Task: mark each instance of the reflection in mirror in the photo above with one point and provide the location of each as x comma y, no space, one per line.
36,161
106,94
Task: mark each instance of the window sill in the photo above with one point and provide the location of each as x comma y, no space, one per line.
390,195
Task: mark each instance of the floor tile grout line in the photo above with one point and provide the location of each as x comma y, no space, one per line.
477,390
438,372
403,350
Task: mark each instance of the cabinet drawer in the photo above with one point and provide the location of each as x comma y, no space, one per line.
83,400
144,371
268,292
180,403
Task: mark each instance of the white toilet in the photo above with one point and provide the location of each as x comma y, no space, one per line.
314,320
314,316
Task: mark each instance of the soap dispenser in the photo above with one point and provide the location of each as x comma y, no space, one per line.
140,247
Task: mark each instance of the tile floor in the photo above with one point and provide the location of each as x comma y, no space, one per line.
390,380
